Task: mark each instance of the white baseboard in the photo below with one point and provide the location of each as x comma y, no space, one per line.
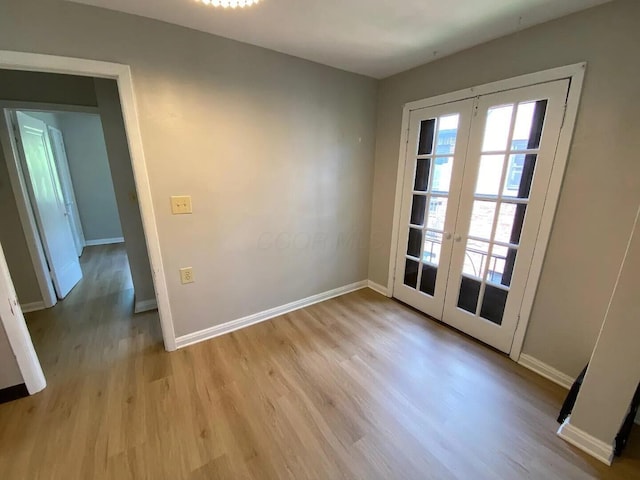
32,307
145,305
239,323
376,287
552,374
585,442
103,241
547,371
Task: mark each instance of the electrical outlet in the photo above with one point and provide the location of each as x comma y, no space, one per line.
181,205
186,275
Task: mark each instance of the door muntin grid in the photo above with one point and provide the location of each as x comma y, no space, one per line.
434,158
505,174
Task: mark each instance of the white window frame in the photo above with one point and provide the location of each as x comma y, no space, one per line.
573,72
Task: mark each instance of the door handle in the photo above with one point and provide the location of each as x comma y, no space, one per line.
447,236
458,238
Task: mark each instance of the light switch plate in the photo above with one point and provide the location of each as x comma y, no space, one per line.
181,205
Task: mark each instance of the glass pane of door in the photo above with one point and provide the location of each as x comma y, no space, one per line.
505,173
432,178
431,184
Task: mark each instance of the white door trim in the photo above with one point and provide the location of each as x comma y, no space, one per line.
122,74
573,72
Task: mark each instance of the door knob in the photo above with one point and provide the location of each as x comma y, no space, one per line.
447,236
457,238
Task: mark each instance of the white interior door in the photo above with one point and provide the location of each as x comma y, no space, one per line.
62,166
433,178
508,168
475,185
48,204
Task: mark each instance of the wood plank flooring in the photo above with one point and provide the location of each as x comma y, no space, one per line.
358,387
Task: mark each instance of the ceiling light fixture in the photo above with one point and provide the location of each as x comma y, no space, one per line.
230,3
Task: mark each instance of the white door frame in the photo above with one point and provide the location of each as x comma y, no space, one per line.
573,72
122,74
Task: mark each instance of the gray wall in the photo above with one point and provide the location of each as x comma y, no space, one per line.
125,188
51,87
9,371
89,167
614,369
602,183
14,242
276,152
50,118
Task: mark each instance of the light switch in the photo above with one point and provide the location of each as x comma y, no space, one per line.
181,205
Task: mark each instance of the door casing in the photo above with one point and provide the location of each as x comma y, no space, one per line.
575,73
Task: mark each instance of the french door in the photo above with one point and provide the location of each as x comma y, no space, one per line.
475,184
438,137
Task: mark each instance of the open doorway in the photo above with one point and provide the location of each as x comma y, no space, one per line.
60,173
75,250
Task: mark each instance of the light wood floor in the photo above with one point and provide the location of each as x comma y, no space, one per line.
355,387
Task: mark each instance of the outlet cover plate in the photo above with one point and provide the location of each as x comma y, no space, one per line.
181,204
186,275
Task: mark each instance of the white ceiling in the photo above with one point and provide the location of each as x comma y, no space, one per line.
374,37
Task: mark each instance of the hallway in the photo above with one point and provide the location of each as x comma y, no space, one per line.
91,347
94,321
